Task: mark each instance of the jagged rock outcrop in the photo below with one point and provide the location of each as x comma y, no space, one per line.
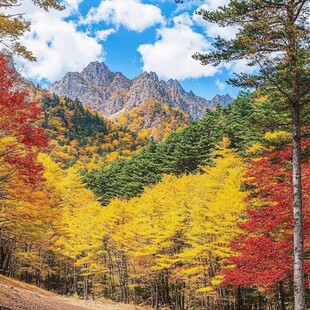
144,86
222,100
109,93
20,83
188,102
97,74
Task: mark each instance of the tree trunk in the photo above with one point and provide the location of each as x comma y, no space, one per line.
238,298
85,290
299,281
75,287
281,301
156,304
166,291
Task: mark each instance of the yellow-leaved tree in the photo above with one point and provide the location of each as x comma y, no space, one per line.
217,207
79,223
173,240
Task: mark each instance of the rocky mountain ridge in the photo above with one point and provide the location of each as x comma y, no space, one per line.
110,93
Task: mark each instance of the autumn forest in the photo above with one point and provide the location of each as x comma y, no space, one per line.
177,215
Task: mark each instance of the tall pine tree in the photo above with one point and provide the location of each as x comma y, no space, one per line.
273,35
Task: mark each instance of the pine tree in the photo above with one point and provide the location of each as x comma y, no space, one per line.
265,248
275,36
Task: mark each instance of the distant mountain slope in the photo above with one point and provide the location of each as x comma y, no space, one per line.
153,119
84,136
182,152
109,93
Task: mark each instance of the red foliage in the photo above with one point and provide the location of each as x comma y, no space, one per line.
265,250
18,117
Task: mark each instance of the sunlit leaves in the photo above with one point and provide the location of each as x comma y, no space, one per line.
265,250
182,226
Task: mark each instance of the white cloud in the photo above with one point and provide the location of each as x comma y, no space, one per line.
57,44
102,35
212,5
171,55
214,30
228,33
183,19
27,8
240,66
186,6
220,85
72,5
131,14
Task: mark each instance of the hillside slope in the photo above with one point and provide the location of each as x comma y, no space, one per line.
85,137
15,295
153,119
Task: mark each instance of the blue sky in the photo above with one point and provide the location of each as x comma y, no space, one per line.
130,36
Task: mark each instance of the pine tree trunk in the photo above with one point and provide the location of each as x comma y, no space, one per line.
299,282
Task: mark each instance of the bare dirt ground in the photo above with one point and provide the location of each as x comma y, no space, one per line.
15,295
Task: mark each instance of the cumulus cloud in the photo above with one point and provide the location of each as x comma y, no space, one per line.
131,14
57,44
171,55
102,35
220,85
72,5
214,30
240,66
183,19
212,5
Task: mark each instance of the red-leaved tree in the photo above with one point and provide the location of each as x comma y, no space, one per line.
265,250
20,137
20,173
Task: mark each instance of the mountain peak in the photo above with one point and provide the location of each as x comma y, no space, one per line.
154,76
70,75
173,84
191,93
97,64
148,75
97,73
172,81
223,100
109,93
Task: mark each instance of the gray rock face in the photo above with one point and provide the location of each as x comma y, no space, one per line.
119,83
191,104
109,93
20,83
97,74
224,100
144,86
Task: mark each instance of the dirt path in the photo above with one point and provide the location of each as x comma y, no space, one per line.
15,295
